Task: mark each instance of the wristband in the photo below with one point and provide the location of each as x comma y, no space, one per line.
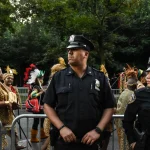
98,130
61,127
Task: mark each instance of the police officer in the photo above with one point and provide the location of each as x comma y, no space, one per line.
140,104
79,101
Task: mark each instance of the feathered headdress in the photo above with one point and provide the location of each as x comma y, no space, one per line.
10,72
59,66
130,72
31,73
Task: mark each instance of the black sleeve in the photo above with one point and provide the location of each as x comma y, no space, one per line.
108,97
50,96
129,118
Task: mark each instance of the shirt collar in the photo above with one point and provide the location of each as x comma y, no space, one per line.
88,71
70,71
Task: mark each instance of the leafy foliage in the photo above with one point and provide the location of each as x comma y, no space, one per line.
119,29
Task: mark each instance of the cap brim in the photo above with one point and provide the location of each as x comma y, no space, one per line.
148,70
75,46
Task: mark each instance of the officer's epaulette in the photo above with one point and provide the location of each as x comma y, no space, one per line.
97,70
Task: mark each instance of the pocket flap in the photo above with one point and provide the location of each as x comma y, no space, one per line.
63,90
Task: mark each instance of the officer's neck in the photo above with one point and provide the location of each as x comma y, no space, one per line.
79,70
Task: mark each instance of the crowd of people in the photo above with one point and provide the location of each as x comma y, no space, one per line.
79,103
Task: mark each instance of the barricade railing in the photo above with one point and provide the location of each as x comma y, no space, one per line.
116,91
27,116
40,116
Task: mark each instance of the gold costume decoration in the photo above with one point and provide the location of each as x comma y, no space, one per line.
11,95
122,81
103,69
123,101
59,66
128,74
6,115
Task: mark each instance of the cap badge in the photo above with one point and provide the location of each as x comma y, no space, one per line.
71,39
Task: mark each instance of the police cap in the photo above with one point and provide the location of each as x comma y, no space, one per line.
79,41
148,69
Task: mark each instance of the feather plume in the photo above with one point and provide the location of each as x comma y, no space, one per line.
61,61
130,72
31,73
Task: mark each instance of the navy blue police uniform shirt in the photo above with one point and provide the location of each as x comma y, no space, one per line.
79,102
139,102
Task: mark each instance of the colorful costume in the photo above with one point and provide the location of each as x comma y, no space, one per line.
123,101
34,79
10,100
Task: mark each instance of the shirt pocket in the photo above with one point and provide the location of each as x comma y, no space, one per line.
94,96
95,102
62,95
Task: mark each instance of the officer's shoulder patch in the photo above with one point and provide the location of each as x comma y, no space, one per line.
132,98
95,69
98,71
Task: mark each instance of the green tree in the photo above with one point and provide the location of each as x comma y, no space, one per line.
6,9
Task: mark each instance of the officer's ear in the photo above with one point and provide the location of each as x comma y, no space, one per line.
86,53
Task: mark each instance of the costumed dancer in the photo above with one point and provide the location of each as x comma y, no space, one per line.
9,101
34,80
55,68
123,101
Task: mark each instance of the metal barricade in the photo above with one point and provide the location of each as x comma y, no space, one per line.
28,116
116,91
